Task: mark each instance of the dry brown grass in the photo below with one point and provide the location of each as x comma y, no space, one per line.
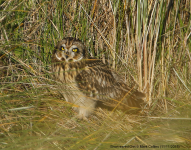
148,43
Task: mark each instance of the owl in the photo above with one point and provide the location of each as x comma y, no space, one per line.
85,80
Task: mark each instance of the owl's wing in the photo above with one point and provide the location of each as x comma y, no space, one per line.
97,81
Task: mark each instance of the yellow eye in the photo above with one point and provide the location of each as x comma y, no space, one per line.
75,50
62,49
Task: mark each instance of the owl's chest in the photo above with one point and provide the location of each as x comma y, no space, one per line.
65,73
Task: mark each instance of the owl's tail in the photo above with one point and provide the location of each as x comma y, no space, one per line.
134,100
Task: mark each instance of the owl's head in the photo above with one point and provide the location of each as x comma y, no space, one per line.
70,50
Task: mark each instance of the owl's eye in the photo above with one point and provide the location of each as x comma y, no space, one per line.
75,50
62,48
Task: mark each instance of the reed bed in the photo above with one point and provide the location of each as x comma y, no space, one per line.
147,42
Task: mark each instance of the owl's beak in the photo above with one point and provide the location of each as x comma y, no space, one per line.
66,55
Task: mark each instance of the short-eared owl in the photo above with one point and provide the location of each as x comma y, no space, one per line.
86,80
